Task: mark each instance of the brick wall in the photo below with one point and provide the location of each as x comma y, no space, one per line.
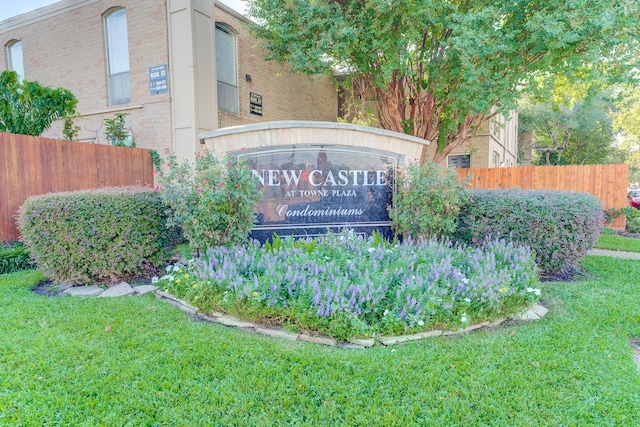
67,49
285,96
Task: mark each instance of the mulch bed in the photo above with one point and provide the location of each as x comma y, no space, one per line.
47,289
630,235
572,274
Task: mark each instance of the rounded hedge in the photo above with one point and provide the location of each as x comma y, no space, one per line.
96,236
559,226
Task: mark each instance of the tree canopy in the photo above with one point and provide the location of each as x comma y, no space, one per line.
438,68
627,122
29,108
578,133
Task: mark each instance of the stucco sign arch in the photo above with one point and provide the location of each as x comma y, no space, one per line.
319,176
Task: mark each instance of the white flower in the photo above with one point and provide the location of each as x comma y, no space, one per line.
176,268
341,238
385,312
154,279
168,269
464,318
465,280
467,299
348,261
371,249
420,323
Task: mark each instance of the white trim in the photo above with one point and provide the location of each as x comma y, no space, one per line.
288,124
112,110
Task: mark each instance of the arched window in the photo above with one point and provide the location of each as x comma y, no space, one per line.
117,41
14,57
227,69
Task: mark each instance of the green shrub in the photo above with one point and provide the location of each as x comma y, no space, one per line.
212,200
101,235
14,258
633,220
427,202
117,132
615,213
607,230
559,226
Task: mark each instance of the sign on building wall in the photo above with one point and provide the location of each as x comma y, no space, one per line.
158,79
310,189
255,104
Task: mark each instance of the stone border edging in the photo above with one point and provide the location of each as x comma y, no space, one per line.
122,289
534,312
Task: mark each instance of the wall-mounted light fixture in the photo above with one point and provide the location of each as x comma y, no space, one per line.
247,77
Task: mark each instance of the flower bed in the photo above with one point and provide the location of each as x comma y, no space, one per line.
344,285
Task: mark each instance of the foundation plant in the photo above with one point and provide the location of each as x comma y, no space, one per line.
559,226
96,236
212,200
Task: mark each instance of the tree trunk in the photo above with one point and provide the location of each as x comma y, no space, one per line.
403,107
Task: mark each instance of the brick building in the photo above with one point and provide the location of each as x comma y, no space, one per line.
176,67
494,145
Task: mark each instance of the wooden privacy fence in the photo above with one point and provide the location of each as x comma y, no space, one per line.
607,182
32,166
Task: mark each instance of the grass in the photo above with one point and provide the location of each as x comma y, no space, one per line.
618,243
61,365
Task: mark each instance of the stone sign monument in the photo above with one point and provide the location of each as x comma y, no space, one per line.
319,176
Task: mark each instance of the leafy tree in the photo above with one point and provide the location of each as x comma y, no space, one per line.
117,132
439,68
70,130
627,122
574,131
29,108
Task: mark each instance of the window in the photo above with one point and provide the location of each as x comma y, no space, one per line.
14,58
227,69
460,161
495,159
118,57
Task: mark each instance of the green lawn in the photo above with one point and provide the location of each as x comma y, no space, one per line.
155,366
618,243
